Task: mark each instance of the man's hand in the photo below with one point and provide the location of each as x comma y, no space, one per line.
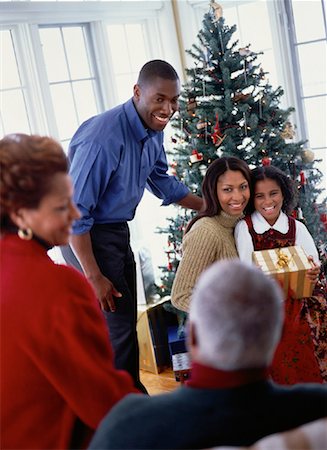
105,292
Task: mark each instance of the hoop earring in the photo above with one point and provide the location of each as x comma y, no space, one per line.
26,234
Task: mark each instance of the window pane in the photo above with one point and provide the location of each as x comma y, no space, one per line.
308,20
9,72
13,112
125,85
84,98
54,55
76,52
64,108
119,49
231,18
259,36
316,114
136,46
313,67
268,64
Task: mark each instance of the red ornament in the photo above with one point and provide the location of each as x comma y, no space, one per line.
266,161
170,266
217,136
302,178
196,156
323,218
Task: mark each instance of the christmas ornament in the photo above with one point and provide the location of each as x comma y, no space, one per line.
201,125
240,97
191,106
266,161
288,131
217,136
202,169
307,156
260,107
245,51
300,214
196,156
302,180
262,74
323,219
217,10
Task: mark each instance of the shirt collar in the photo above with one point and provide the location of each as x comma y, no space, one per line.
260,224
138,130
205,377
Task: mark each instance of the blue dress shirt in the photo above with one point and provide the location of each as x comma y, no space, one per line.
113,158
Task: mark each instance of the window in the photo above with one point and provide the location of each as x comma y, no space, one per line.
13,111
62,63
307,34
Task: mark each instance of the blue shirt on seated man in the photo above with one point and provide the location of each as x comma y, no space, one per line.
235,324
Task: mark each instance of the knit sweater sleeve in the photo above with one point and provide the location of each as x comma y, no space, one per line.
201,245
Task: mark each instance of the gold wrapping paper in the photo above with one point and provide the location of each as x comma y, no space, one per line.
288,265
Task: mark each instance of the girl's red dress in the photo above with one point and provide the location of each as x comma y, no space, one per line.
301,353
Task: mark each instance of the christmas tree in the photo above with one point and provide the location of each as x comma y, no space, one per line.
228,108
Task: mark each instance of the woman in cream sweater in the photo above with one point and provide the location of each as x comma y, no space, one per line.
209,236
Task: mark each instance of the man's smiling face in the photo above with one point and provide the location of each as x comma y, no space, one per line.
156,102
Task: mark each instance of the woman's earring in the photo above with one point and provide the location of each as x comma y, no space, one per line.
25,234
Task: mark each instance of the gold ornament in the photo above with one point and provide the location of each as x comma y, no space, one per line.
307,156
288,131
25,234
217,10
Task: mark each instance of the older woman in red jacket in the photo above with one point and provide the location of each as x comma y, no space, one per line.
57,375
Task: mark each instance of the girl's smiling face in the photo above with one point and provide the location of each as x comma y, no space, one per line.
268,199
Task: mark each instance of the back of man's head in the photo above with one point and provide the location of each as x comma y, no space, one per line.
236,314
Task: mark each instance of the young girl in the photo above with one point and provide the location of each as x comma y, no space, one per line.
302,353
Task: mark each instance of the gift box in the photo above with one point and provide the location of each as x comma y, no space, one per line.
179,355
289,266
152,338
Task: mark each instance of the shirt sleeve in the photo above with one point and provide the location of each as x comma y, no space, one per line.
304,239
90,169
243,241
198,253
164,186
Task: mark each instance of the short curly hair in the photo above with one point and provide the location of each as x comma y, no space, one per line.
27,166
285,183
156,69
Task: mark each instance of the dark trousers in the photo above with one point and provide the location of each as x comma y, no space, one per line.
114,256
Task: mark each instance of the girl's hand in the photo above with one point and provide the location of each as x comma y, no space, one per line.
313,273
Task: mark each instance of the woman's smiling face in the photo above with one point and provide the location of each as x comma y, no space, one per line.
233,192
268,199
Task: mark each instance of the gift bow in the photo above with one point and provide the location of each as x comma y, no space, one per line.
283,259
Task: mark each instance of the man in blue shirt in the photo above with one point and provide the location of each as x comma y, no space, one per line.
114,156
